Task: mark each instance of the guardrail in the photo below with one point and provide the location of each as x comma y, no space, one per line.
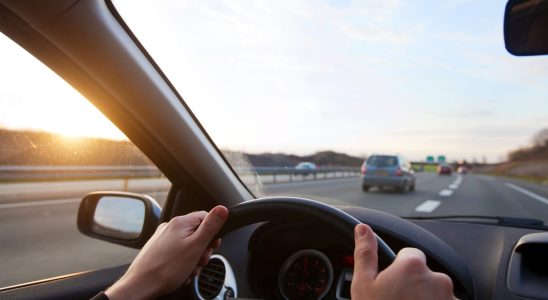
29,173
33,183
14,173
320,173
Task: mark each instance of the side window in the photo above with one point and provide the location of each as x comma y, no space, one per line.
54,148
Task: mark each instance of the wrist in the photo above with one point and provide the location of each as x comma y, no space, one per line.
129,289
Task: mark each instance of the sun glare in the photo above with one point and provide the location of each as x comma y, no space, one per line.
72,117
50,104
84,120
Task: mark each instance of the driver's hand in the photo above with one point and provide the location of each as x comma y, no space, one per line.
173,255
408,277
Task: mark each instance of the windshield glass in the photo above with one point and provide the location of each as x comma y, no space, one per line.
382,161
278,83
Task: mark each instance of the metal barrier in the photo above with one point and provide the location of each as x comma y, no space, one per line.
320,173
15,173
33,183
30,173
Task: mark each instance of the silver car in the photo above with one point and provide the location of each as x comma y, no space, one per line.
387,171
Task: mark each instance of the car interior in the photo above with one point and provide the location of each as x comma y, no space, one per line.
88,44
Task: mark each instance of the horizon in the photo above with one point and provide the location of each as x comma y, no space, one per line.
79,139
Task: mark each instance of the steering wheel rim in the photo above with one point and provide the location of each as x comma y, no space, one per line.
293,209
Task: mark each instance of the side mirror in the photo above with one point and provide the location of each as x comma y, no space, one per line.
526,27
118,217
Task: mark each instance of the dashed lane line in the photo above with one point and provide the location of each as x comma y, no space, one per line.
453,186
446,193
428,206
527,192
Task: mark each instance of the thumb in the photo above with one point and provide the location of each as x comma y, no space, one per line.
365,254
211,225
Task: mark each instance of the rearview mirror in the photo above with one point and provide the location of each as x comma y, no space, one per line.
122,218
526,27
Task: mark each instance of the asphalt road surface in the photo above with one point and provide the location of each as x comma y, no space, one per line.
434,196
39,239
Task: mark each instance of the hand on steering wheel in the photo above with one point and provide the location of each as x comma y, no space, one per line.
178,249
408,277
174,254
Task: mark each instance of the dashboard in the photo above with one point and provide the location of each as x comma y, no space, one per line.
308,261
293,261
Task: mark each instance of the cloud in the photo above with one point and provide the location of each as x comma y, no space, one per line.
471,113
373,35
303,75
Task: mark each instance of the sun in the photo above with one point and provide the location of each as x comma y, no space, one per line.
72,117
33,97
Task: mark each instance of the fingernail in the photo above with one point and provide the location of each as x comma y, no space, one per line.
221,212
361,231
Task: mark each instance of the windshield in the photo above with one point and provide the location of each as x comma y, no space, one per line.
382,161
278,83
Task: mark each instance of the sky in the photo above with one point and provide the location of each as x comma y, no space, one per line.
34,97
361,77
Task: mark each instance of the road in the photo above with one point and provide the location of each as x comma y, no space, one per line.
39,238
434,195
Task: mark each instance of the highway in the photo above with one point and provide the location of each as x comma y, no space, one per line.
39,237
434,196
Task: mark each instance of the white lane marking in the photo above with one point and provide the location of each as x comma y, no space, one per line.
453,186
446,193
428,206
528,193
39,203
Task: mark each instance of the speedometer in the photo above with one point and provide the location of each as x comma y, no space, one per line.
306,274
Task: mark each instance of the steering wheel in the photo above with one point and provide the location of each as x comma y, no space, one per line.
291,209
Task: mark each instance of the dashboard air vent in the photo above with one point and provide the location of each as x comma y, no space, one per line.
211,279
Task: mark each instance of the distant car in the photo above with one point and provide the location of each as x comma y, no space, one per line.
462,170
387,171
444,169
305,166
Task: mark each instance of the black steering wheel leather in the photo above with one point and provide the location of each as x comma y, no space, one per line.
291,209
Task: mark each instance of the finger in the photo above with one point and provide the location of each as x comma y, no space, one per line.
365,254
412,253
197,215
195,272
215,244
205,258
211,225
412,260
444,283
191,220
409,251
186,225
